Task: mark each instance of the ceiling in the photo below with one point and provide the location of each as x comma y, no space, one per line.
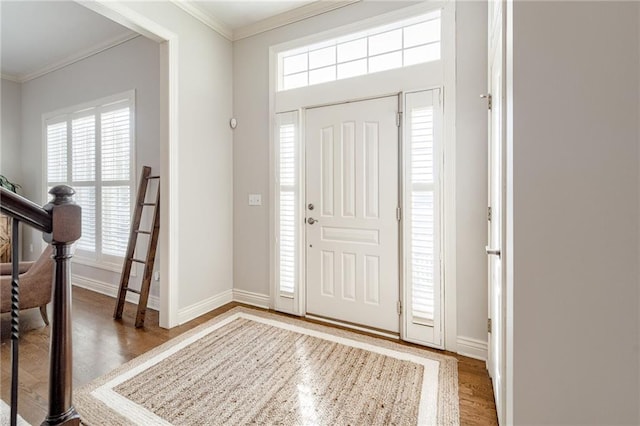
37,34
237,14
42,36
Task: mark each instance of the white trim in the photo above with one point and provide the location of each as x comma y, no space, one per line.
289,303
122,14
206,18
111,290
426,334
361,25
509,270
169,166
472,348
10,77
428,408
169,211
105,265
449,216
311,95
250,298
289,17
96,259
77,56
190,312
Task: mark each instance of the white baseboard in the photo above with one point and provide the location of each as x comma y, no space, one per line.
111,290
472,348
251,298
207,305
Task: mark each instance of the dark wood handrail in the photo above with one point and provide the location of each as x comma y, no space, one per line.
24,210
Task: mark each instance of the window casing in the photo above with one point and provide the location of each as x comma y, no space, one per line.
422,224
91,148
287,180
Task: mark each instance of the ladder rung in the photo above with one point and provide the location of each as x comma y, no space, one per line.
153,177
132,290
137,260
147,204
137,231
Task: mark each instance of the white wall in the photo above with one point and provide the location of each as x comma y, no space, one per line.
575,212
131,65
471,165
204,164
11,122
251,152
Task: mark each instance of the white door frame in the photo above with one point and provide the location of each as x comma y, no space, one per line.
496,40
168,41
298,99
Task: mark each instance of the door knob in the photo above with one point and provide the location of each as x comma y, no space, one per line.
311,221
490,251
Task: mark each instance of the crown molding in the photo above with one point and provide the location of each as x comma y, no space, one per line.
71,59
10,77
204,17
289,17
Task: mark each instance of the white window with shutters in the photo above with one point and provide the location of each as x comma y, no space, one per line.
90,147
287,199
422,249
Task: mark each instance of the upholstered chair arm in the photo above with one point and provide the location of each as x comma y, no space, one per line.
5,268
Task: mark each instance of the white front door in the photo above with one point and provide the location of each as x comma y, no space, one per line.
495,249
351,210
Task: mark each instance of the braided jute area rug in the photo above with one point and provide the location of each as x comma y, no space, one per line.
254,367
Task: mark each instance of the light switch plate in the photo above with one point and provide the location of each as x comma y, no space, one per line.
255,199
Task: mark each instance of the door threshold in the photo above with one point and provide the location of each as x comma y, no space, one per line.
352,326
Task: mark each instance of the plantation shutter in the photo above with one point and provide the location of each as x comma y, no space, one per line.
83,167
287,208
86,198
57,152
116,172
91,149
422,212
83,149
116,145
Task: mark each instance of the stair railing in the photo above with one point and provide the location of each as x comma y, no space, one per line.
60,221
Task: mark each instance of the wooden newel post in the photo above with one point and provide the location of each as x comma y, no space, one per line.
66,217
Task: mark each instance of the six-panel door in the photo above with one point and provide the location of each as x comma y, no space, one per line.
351,201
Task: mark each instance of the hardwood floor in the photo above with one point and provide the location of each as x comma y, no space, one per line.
101,344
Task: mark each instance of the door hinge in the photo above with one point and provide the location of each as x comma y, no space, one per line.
489,100
489,214
399,307
399,213
488,325
398,118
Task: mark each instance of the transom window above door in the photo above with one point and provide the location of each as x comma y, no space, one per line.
400,44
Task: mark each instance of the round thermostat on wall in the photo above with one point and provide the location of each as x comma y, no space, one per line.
233,123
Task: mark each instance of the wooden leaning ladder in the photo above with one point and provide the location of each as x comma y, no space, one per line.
131,248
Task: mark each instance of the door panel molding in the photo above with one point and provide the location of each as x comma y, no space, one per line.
355,249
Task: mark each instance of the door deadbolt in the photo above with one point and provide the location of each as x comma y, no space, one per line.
310,206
